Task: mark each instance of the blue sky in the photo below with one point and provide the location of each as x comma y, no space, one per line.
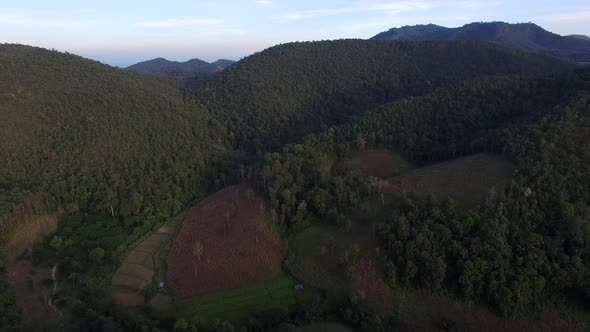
123,32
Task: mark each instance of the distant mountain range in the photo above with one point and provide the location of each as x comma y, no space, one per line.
526,36
189,69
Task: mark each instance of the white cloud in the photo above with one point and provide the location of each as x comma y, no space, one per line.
389,7
11,19
177,22
263,2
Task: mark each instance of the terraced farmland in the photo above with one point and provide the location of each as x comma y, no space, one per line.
139,267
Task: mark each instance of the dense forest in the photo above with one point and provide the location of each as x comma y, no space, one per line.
276,96
86,139
103,140
523,247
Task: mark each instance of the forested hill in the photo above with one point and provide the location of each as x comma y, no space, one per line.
525,36
99,139
94,137
188,69
279,94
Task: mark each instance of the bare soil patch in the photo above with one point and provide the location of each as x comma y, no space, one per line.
378,164
224,243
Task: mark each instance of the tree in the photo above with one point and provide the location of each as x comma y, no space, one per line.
97,255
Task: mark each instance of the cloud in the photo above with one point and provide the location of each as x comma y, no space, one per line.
578,16
389,7
11,19
178,22
263,2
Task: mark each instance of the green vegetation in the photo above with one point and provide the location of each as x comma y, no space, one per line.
10,313
95,141
237,305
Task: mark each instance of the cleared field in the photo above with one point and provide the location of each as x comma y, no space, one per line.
224,243
315,254
378,163
468,180
139,267
238,304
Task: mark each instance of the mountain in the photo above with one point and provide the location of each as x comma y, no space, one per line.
583,37
122,156
525,36
96,138
280,94
188,69
144,148
223,63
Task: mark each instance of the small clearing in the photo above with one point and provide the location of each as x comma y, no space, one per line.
469,180
314,259
377,163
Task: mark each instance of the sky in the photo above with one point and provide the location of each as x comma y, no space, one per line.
123,32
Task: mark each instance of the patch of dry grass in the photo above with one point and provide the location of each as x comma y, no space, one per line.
24,233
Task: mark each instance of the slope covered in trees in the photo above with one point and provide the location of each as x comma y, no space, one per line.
525,36
277,95
528,245
98,138
92,138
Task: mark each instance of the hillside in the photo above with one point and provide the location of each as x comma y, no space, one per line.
278,95
97,138
188,69
583,37
117,154
525,36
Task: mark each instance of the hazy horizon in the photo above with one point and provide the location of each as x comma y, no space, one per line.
124,34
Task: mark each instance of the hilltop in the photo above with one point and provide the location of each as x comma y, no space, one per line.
188,69
526,36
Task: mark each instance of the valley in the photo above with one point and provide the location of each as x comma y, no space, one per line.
402,183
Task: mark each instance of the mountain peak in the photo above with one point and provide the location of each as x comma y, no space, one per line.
526,36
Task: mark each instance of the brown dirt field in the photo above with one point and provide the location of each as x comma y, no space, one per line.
238,248
377,164
128,298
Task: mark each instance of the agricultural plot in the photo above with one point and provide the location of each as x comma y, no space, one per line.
139,267
378,163
238,304
468,180
316,258
224,243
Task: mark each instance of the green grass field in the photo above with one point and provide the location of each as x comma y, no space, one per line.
239,304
